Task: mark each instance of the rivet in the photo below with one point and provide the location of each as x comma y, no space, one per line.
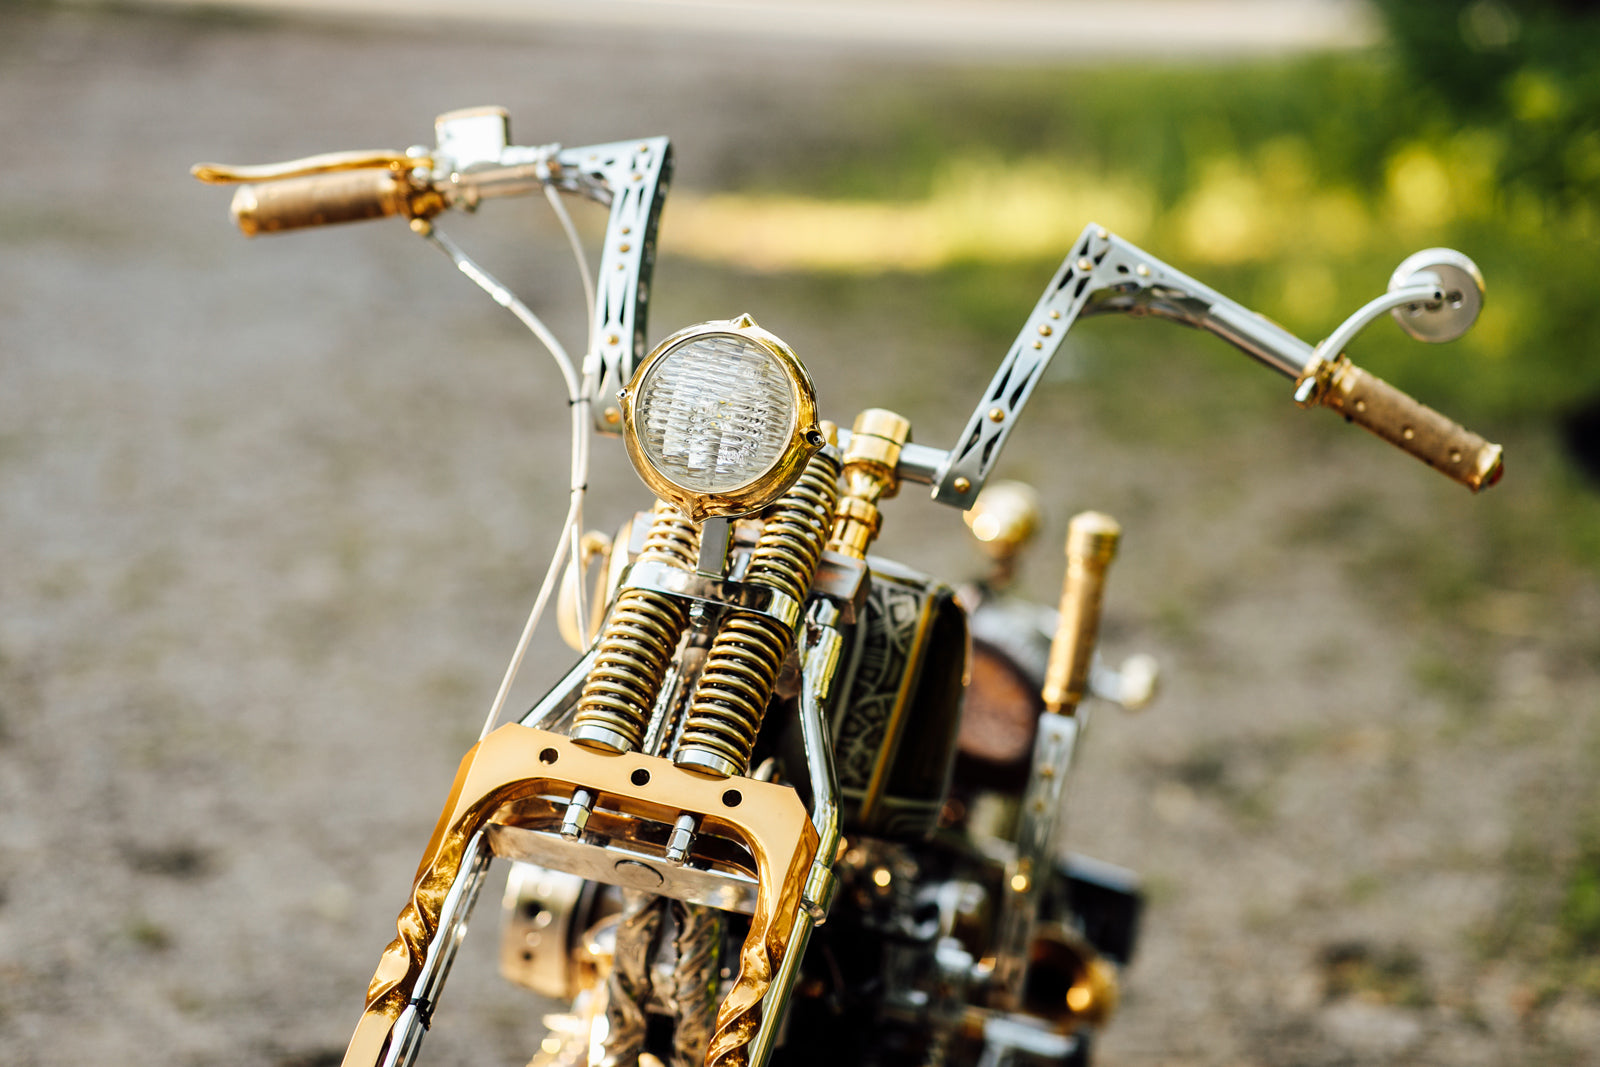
1102,233
625,230
1455,455
1142,271
1408,433
1045,330
613,416
1038,344
1086,264
612,339
624,247
961,485
997,414
1361,405
1055,314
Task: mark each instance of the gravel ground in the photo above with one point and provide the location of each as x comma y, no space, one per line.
271,514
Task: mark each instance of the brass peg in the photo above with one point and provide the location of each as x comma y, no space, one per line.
869,476
1004,519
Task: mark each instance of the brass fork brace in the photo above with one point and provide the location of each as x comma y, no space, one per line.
514,773
517,781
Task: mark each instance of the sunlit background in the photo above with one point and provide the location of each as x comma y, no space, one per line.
271,512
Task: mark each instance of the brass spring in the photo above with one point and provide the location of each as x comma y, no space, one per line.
786,554
636,645
742,666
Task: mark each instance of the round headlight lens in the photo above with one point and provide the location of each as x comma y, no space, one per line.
721,418
715,413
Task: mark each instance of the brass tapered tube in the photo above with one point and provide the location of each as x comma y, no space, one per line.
1091,546
636,646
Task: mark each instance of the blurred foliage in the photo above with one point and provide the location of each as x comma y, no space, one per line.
1527,70
1295,185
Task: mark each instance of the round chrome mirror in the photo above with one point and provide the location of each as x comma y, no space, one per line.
1451,273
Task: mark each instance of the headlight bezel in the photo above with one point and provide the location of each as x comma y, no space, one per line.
805,437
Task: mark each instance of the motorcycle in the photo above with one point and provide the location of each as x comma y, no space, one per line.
793,800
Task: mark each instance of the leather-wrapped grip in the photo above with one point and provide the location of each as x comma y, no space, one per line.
1446,446
318,200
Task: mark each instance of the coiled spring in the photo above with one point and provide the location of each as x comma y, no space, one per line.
636,645
742,666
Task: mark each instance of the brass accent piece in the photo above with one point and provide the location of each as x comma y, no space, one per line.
1377,406
326,163
749,650
1091,545
962,484
869,476
518,773
804,439
1004,519
636,646
1062,957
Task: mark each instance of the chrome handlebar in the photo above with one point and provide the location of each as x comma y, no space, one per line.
1435,295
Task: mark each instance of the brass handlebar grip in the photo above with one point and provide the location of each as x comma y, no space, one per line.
1374,404
319,200
1091,546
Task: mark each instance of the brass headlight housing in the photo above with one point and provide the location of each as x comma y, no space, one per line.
720,418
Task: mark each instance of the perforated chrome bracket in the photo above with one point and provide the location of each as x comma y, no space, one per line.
1103,274
633,177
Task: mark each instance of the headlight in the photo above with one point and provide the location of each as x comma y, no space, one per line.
720,419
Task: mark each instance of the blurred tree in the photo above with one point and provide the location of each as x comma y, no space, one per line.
1529,70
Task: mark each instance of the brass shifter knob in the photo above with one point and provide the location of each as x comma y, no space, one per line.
1091,546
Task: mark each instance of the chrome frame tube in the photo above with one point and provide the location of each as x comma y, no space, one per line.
405,1038
820,663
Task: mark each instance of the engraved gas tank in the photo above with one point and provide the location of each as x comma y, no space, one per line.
897,707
